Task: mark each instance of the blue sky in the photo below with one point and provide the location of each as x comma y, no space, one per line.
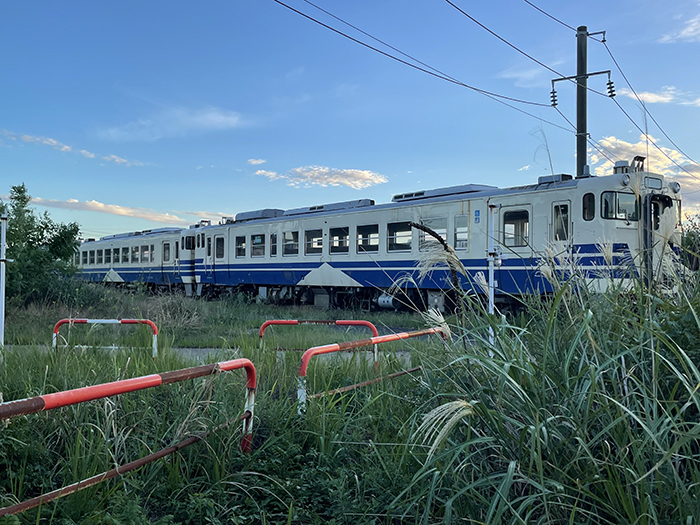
133,115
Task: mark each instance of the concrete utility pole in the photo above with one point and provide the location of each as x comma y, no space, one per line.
581,79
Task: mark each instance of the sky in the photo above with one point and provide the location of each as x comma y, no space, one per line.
132,115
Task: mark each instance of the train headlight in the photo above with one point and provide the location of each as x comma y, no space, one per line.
675,187
626,180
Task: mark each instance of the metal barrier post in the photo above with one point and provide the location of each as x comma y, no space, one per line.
339,347
71,322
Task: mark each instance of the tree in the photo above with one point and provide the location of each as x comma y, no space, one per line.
42,249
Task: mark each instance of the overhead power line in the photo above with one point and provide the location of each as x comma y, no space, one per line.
427,69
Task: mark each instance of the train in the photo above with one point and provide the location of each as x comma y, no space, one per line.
616,226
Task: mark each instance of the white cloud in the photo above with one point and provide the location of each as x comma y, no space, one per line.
308,176
87,154
255,162
656,162
173,122
46,141
525,77
112,209
120,160
666,95
524,168
690,32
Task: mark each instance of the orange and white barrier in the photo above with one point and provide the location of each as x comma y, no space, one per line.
72,322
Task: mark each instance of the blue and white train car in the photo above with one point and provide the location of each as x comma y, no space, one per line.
162,258
354,251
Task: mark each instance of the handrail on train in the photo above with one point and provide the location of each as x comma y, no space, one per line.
90,393
340,347
72,322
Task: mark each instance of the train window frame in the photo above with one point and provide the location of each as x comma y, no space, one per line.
98,259
438,225
166,252
588,206
313,241
397,232
273,245
366,240
219,247
519,237
115,255
560,221
189,242
290,243
208,246
257,245
145,254
461,232
240,246
125,255
85,257
611,199
134,254
91,259
108,256
339,240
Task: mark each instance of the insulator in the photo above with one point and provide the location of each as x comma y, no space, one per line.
611,89
554,98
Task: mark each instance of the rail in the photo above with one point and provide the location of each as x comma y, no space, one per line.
343,322
90,393
340,347
72,322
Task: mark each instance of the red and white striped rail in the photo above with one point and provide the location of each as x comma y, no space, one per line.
343,322
340,347
89,393
107,321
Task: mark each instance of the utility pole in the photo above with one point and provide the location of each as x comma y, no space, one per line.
3,261
581,79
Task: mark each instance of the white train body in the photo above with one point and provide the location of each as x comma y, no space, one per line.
606,226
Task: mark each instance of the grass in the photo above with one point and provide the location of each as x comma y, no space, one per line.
583,409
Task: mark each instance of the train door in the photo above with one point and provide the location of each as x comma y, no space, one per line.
515,236
219,250
168,261
560,229
654,240
209,260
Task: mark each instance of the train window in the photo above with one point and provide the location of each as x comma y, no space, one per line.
616,205
198,245
153,253
561,222
240,246
99,256
208,246
461,241
188,243
125,255
399,236
92,256
516,226
273,245
219,251
134,254
439,226
115,256
145,254
76,258
368,238
177,250
108,256
313,242
166,252
290,243
85,258
257,245
340,240
588,207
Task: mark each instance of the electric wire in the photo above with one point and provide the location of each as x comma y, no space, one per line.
518,49
595,144
414,66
